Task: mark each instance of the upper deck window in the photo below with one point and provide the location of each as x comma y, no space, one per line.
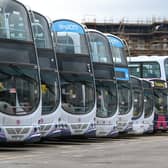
135,69
14,21
70,38
99,48
41,31
118,50
151,70
145,69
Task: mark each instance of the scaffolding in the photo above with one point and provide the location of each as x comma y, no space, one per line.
144,37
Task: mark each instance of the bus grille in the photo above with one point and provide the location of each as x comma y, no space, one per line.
79,126
17,130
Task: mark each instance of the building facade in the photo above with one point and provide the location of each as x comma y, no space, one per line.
142,38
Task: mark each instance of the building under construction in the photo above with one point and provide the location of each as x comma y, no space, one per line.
143,38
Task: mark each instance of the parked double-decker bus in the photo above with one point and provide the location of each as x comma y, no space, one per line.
49,126
78,102
161,104
20,96
149,66
138,104
148,106
106,85
118,49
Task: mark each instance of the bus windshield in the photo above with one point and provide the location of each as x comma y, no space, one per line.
106,98
138,99
125,98
137,103
19,89
78,95
50,91
14,21
148,102
99,48
161,101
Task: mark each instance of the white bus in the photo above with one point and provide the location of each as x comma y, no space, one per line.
78,102
49,126
119,49
106,84
20,95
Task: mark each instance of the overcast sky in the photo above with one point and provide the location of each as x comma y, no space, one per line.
100,9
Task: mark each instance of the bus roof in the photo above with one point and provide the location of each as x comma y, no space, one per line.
67,25
144,58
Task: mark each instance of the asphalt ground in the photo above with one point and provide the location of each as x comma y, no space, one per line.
121,152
